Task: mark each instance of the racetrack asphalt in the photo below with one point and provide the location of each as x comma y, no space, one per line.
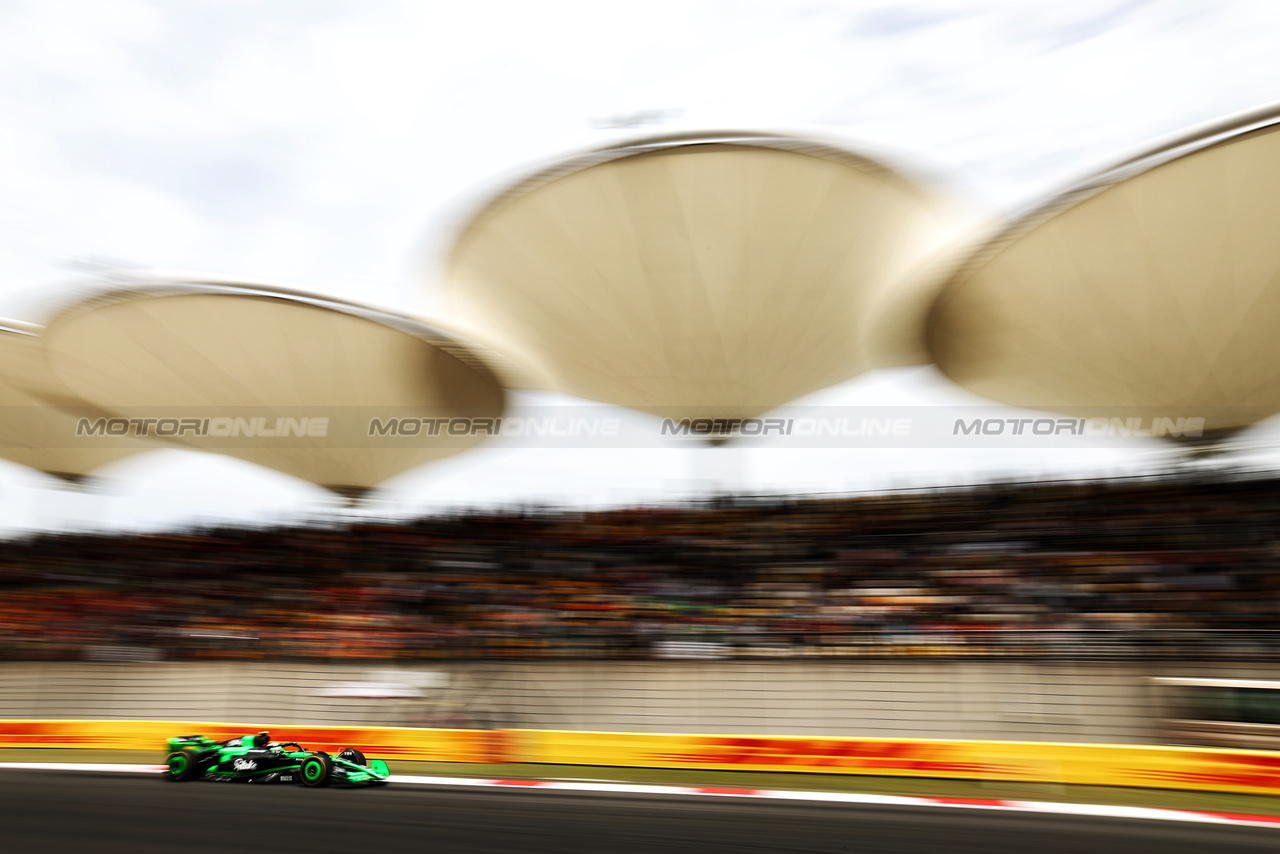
53,811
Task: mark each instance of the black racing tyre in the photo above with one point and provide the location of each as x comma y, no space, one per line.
352,755
315,770
182,766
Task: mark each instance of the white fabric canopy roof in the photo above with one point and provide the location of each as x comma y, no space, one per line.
1152,287
204,350
708,275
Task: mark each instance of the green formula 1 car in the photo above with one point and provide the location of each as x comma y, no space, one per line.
258,759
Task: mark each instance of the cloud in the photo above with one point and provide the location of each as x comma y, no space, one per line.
330,144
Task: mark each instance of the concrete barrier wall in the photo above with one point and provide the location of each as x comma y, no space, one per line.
910,698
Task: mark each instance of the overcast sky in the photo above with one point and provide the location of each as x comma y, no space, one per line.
334,145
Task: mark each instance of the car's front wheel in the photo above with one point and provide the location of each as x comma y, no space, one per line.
182,766
315,770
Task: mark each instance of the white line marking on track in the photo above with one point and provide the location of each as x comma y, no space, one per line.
1099,810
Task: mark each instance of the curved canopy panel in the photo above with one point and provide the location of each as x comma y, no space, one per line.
712,275
1152,289
33,431
338,394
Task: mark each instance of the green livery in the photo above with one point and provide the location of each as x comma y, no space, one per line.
258,759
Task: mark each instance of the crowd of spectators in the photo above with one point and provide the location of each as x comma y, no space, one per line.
1115,568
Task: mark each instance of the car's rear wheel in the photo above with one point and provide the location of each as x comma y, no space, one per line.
352,755
182,766
315,770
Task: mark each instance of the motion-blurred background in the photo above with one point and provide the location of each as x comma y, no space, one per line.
844,368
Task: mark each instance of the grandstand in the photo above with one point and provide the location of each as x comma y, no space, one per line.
1175,566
